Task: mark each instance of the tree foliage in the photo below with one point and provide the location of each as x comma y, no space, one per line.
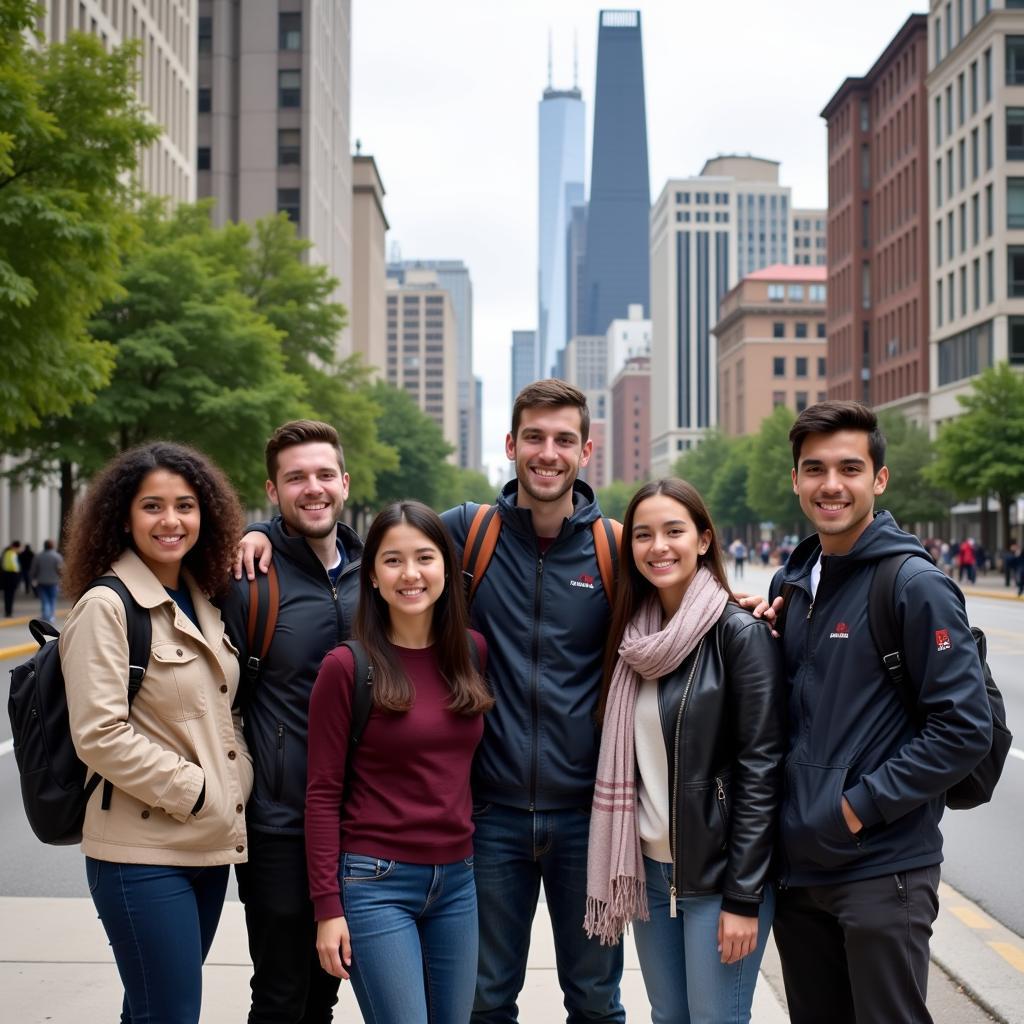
71,132
910,495
769,481
456,485
979,452
615,497
700,465
727,497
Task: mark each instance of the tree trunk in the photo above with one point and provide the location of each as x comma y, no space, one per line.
983,537
1004,520
67,498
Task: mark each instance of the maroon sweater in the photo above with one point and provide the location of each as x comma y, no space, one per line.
409,797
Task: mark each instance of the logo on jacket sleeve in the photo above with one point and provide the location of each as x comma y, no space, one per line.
942,641
583,580
841,632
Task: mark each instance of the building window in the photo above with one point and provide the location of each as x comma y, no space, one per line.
776,292
975,219
801,366
1015,60
289,147
801,401
988,143
821,329
796,293
1015,202
289,31
289,202
865,285
1016,346
965,354
989,212
801,330
1015,271
778,330
974,87
975,168
976,275
938,120
779,367
205,35
204,99
938,301
817,293
938,242
987,76
289,88
203,158
821,366
778,398
990,273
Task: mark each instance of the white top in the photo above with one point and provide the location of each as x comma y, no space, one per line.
815,577
652,775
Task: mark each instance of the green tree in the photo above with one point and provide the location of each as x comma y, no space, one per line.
420,444
456,485
769,481
727,499
615,497
71,132
910,495
979,452
700,465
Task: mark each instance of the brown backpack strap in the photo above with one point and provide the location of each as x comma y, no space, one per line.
607,545
481,541
262,620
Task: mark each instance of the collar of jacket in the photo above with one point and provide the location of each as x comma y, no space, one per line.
585,509
150,593
297,551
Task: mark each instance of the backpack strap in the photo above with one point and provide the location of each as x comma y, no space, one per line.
882,625
140,643
362,705
481,541
264,602
607,545
780,620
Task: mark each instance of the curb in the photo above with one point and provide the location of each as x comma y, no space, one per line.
18,650
999,595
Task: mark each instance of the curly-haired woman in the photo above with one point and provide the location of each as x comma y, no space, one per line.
165,522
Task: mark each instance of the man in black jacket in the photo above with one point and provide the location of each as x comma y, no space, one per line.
860,844
542,608
317,560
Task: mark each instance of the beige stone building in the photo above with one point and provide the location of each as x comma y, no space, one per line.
369,275
422,355
976,156
808,235
273,128
771,346
167,83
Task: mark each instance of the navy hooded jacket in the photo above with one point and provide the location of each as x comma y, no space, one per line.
849,734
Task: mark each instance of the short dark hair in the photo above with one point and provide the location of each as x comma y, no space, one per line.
296,432
551,394
833,416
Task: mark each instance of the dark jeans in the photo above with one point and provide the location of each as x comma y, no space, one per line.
857,952
10,585
288,984
160,922
514,852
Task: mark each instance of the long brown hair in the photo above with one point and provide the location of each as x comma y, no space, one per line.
633,588
392,690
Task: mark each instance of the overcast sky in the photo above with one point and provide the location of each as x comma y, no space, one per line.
445,94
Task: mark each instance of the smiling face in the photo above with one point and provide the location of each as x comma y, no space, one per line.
548,452
408,572
666,547
837,486
310,488
163,520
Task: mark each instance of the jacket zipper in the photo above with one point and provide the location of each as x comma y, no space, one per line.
535,686
720,794
674,809
279,772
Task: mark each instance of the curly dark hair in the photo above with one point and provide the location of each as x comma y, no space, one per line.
95,528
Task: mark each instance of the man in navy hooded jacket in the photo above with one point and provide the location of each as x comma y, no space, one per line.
860,844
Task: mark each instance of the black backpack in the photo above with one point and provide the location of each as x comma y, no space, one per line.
976,788
54,784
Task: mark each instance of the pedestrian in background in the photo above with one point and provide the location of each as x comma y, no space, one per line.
1010,560
389,830
163,520
968,561
46,570
738,550
10,575
25,558
688,778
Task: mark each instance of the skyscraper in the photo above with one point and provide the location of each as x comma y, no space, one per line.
524,360
617,265
560,187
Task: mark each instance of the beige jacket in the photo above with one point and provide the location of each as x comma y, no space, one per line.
180,734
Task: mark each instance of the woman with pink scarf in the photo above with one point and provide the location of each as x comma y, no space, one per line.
688,775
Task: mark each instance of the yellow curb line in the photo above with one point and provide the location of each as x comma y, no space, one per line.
15,652
1012,954
971,917
996,594
24,620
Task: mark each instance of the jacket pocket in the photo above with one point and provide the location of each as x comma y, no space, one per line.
813,829
177,689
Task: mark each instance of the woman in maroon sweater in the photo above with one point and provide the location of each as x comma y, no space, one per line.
390,847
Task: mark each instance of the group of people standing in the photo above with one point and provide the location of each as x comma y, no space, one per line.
39,572
397,774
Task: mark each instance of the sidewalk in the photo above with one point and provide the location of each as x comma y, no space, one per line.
55,968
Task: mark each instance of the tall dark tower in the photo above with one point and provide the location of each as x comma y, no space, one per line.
617,264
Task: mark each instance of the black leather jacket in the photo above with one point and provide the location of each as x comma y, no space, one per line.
722,718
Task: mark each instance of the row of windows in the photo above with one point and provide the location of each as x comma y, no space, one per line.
800,400
975,8
800,364
946,290
289,32
779,329
703,198
1014,143
703,217
946,230
965,81
778,292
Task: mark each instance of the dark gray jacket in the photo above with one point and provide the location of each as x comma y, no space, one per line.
47,566
312,620
849,734
545,619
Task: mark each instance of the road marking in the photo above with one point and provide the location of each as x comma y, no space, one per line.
17,651
971,917
1014,752
1012,954
6,747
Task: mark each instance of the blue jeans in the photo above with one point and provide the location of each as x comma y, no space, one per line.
515,851
686,981
160,922
414,939
47,600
